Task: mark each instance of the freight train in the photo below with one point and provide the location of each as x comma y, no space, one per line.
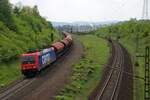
32,63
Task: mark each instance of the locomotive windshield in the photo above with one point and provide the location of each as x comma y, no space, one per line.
28,59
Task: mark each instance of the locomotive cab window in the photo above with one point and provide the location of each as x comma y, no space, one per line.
28,60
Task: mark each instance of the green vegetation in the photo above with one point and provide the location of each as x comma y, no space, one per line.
87,73
131,33
9,72
5,13
22,30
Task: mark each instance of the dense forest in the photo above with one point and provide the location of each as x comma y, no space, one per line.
22,29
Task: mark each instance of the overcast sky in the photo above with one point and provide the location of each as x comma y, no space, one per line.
86,10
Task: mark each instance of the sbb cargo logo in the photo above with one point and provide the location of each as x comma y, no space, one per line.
46,58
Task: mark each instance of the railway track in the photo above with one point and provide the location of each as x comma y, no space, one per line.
110,88
47,84
10,91
19,86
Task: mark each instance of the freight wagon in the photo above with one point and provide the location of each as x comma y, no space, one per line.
34,62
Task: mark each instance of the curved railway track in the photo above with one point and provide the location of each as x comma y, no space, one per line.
47,84
110,89
111,86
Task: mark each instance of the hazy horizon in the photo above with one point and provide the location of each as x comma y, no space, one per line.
86,10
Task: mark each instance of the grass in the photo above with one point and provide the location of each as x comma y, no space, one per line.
138,89
9,72
88,72
29,31
130,32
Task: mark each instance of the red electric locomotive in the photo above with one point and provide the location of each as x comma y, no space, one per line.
35,62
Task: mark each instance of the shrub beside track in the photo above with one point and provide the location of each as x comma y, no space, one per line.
88,71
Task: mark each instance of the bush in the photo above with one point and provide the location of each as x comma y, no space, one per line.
31,32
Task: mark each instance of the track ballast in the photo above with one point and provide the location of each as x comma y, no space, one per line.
115,85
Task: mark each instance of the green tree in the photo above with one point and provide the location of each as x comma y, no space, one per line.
5,14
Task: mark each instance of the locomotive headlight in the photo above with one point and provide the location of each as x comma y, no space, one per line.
24,68
34,66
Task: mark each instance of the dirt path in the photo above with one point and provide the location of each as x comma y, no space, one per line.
53,79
